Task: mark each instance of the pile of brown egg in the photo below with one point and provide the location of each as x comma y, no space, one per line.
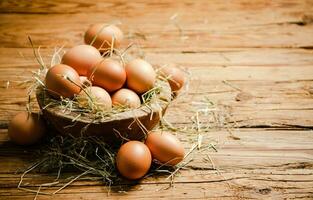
87,72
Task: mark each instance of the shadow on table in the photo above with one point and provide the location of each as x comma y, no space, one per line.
23,157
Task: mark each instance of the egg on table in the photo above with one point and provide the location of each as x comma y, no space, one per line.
126,97
165,147
140,76
62,80
81,58
108,74
133,160
95,97
26,128
101,36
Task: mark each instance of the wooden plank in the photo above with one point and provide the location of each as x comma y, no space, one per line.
119,8
249,103
251,150
214,190
233,57
251,164
204,25
24,58
288,104
69,34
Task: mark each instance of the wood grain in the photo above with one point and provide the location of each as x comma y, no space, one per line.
215,24
256,167
277,35
252,60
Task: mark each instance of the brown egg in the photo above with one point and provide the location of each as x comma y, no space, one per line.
84,81
81,58
108,74
175,77
133,160
165,147
103,35
95,97
26,128
140,76
126,97
62,80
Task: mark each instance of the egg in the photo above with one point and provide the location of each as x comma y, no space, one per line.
175,77
95,97
84,81
26,128
126,97
81,58
62,80
133,160
140,76
101,35
165,148
108,74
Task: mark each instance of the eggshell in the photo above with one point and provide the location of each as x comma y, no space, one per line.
140,76
165,147
95,96
84,81
103,35
62,80
126,97
26,128
82,58
175,77
133,160
108,74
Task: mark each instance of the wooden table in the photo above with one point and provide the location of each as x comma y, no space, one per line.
252,59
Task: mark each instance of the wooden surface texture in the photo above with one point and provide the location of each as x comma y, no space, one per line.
252,59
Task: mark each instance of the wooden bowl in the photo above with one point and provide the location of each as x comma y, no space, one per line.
128,124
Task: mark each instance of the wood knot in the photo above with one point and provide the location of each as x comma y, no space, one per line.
243,96
264,191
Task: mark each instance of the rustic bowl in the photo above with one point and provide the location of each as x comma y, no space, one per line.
128,124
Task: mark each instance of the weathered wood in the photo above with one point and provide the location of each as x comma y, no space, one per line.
76,6
232,153
252,164
289,102
24,58
59,34
203,25
253,60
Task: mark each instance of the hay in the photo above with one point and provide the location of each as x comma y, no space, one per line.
95,160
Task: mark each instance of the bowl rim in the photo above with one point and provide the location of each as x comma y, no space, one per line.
163,99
